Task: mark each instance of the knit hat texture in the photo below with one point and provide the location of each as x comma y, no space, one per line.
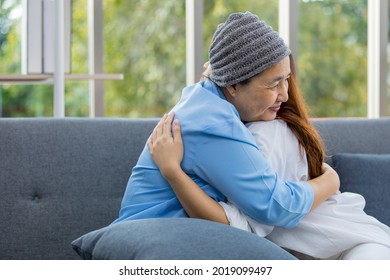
243,47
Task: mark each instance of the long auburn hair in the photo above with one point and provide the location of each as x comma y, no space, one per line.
294,112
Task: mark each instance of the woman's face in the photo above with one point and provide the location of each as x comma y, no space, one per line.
261,97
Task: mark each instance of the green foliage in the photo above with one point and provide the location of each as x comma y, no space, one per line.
149,48
332,57
145,40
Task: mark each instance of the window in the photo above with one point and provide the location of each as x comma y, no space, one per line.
146,41
332,57
36,100
147,44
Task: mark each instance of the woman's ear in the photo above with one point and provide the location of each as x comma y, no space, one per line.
232,90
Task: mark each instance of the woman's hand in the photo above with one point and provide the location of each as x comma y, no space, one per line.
325,185
206,71
333,176
166,149
167,152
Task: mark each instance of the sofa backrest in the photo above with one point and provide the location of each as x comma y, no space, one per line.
61,178
367,136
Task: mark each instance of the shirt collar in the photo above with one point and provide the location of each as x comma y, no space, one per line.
209,85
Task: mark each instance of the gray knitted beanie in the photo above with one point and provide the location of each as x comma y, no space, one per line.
243,47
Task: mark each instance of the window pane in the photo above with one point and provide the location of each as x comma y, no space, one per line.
147,44
36,100
10,38
77,92
77,98
26,100
332,57
144,40
18,100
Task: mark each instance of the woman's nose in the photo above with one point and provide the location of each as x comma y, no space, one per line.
283,92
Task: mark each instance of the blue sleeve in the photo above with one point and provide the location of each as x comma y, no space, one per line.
243,175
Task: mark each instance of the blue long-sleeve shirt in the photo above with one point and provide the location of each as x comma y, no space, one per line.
221,156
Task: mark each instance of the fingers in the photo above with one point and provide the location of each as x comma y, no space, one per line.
156,131
163,128
176,131
207,69
150,143
168,123
159,129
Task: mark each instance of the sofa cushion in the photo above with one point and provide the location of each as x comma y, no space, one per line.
174,238
368,175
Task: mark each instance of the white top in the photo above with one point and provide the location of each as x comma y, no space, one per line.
338,224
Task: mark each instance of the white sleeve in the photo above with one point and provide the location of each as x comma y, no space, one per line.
239,220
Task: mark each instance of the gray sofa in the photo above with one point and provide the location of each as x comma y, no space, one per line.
61,179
